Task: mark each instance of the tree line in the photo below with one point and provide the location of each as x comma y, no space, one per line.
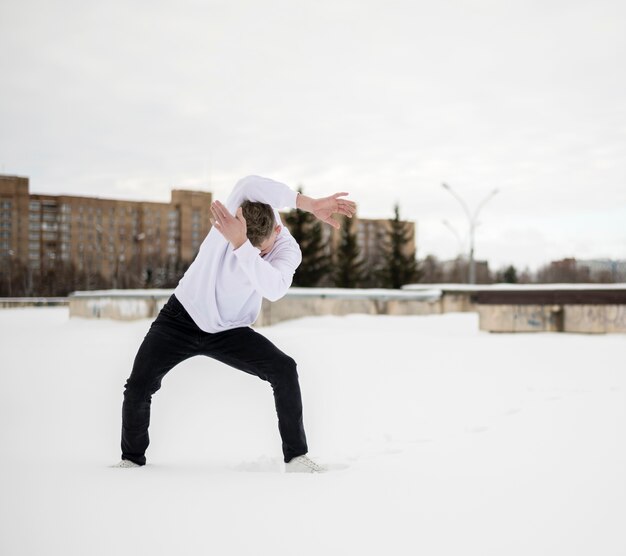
59,278
343,266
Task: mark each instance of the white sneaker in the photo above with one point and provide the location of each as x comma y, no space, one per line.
126,463
302,464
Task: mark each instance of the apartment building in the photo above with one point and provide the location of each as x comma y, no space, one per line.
104,236
124,241
604,270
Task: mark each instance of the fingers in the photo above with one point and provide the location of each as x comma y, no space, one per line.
217,217
220,209
220,212
345,211
240,216
346,207
333,223
344,201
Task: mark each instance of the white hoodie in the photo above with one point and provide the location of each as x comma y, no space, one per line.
223,288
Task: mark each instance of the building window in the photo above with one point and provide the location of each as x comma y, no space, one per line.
34,205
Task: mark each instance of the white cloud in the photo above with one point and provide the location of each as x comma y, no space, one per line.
384,99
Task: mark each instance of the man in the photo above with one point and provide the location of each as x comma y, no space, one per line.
246,256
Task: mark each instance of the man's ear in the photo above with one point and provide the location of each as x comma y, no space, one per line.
278,228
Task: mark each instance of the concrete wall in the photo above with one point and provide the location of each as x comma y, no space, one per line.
140,304
127,306
117,307
594,318
12,302
520,318
457,302
588,319
293,307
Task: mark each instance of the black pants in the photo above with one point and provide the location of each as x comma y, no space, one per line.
174,337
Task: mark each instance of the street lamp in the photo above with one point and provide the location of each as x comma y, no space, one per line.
456,235
473,223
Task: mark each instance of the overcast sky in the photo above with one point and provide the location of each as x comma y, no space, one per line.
384,99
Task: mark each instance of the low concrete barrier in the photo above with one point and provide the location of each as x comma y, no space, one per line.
299,302
12,302
594,318
520,318
590,310
118,304
501,308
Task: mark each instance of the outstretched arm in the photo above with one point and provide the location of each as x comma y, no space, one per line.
324,207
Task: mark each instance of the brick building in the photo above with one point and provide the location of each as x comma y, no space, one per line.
104,236
122,242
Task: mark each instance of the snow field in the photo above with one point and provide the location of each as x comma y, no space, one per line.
442,440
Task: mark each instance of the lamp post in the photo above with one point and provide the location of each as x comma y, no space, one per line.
473,223
456,235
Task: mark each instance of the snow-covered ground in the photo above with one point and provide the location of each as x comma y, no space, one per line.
443,440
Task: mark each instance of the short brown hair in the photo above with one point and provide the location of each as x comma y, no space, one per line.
260,221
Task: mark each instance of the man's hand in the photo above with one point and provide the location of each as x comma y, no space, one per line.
325,207
233,228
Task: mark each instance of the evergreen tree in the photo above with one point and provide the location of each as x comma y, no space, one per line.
349,271
399,269
510,275
307,231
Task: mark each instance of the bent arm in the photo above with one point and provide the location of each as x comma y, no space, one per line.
261,190
278,195
271,280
